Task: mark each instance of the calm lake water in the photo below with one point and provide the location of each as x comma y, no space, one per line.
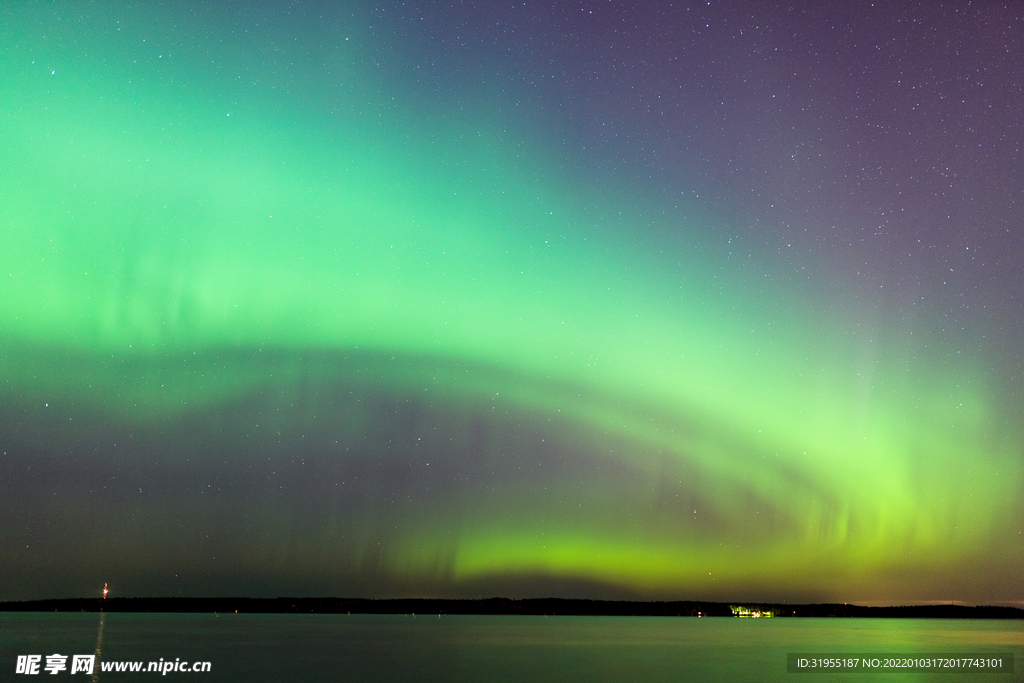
274,647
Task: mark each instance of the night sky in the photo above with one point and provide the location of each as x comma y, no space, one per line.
706,301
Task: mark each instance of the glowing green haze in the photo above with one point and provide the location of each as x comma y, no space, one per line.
175,241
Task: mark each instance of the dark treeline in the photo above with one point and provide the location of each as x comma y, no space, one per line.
498,606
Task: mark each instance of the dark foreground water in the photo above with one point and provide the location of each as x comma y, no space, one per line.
273,647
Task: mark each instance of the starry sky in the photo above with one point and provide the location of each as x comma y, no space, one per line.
708,300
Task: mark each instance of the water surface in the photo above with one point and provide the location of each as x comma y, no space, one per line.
318,647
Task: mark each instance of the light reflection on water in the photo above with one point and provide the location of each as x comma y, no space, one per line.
99,647
275,647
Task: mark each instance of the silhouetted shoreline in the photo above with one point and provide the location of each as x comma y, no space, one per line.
504,606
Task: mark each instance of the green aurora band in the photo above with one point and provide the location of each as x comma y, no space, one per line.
175,244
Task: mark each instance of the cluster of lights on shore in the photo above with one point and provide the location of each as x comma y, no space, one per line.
738,611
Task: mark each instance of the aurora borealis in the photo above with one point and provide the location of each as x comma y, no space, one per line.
525,299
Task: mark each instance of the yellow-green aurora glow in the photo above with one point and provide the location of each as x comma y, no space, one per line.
266,335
